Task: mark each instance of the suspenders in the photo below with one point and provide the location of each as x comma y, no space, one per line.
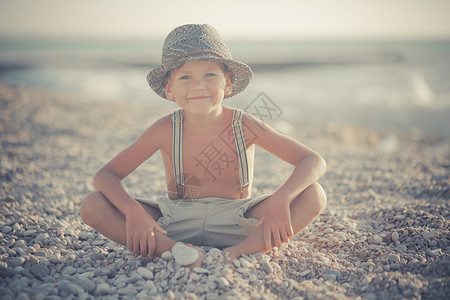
177,152
241,151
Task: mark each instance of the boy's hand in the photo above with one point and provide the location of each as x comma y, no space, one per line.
140,229
277,223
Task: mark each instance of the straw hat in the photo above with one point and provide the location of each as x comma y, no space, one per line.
195,42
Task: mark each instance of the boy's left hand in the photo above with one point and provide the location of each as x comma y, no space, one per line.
277,223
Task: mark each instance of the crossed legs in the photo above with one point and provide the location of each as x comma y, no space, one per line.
304,209
100,214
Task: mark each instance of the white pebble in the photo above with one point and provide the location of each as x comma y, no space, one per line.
144,272
201,270
167,255
267,267
184,255
244,263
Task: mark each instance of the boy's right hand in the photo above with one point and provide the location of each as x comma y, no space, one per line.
140,229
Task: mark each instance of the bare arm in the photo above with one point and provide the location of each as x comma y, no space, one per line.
108,181
309,167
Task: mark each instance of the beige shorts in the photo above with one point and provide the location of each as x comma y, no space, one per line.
210,221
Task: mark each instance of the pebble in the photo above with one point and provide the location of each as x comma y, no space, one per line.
393,258
201,270
184,255
430,235
87,284
395,247
244,263
267,267
394,236
40,270
102,289
375,239
167,255
144,272
304,273
336,273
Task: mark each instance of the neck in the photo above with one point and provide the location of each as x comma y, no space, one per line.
203,123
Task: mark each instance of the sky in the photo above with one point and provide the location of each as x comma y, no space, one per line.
234,19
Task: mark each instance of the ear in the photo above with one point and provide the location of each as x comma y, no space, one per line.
169,92
228,83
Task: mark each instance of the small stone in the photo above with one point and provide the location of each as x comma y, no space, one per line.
129,289
144,272
401,248
87,284
201,270
366,280
29,232
167,255
337,274
244,263
236,263
376,239
69,270
393,258
304,273
69,287
330,277
223,282
7,229
41,237
434,253
171,266
267,267
341,236
102,289
431,234
98,242
40,270
259,256
394,236
184,255
214,252
15,261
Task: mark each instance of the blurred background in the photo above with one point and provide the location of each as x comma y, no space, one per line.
378,64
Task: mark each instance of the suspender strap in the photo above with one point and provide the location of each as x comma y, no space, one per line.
241,152
177,151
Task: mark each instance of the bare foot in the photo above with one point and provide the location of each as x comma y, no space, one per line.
230,254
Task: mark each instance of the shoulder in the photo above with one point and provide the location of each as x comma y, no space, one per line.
256,125
159,131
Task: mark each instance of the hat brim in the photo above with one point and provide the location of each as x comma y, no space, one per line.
242,74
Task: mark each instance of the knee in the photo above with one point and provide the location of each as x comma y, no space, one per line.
90,207
317,198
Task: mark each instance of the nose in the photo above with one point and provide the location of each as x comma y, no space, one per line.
198,84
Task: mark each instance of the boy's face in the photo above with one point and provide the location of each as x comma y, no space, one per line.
199,87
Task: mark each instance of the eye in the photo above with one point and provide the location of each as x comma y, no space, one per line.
210,75
185,77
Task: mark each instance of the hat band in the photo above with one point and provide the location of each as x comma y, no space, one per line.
180,57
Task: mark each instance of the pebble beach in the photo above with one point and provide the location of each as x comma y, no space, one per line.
384,235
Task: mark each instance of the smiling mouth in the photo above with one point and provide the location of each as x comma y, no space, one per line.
198,98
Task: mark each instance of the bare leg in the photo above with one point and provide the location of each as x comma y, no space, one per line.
304,209
101,215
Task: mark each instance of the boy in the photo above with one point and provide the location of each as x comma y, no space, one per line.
197,72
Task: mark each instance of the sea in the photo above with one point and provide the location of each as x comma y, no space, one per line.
400,85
